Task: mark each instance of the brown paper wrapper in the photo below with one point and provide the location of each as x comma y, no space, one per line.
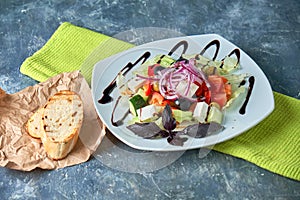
20,151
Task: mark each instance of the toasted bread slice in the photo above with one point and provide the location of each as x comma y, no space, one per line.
34,126
62,118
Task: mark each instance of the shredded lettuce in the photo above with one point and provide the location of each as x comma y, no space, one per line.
181,116
122,85
237,89
136,119
202,61
229,65
166,61
159,123
236,78
235,95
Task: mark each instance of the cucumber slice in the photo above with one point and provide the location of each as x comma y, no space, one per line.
135,103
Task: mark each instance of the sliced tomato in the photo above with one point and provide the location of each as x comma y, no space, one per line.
147,88
199,91
219,87
150,70
219,98
156,99
217,83
218,92
203,92
207,96
228,91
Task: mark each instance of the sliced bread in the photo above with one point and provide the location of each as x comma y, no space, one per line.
61,120
34,126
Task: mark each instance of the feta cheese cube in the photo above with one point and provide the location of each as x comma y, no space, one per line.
200,111
181,87
146,112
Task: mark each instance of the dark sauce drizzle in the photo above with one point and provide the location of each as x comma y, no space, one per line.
242,83
237,54
106,98
181,43
214,42
120,121
250,88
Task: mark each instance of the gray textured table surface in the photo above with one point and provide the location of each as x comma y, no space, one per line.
269,31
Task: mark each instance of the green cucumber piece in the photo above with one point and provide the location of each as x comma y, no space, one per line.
135,103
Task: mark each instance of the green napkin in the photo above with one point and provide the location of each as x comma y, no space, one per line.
274,144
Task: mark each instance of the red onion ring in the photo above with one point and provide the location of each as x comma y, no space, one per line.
169,79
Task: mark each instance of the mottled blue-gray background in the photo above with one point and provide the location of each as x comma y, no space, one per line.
268,31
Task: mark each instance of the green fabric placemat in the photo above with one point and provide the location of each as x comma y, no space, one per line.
273,144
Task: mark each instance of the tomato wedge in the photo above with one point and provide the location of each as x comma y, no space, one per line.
156,99
147,88
203,92
228,91
218,92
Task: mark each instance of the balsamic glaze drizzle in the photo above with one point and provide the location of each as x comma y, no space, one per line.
250,88
214,42
120,121
181,43
106,98
242,83
237,54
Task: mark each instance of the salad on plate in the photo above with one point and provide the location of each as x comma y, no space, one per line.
180,98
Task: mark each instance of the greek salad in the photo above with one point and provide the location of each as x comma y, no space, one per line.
170,98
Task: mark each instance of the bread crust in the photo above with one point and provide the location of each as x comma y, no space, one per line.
59,150
2,93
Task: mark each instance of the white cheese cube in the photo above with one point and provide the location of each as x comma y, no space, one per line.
135,83
200,111
146,112
181,87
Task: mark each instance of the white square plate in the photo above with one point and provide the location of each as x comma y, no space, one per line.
260,105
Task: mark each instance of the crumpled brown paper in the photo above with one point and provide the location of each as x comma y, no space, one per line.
20,151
